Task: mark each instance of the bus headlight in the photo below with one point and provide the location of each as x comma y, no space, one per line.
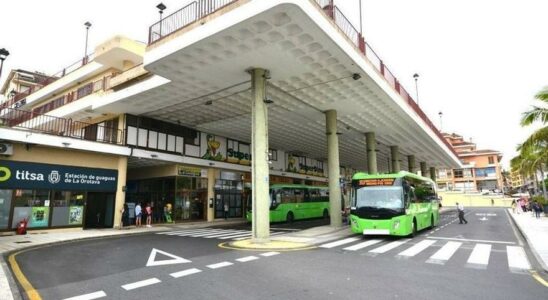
396,224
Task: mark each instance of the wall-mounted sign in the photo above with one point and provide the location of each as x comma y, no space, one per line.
304,165
21,175
213,147
189,171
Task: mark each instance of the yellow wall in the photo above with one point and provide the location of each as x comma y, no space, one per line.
450,199
59,156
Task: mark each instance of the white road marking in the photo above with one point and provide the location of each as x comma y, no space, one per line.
467,240
215,233
267,254
231,236
247,258
220,265
445,253
362,245
417,248
340,242
185,273
140,284
174,259
480,255
220,234
517,259
90,296
388,247
186,232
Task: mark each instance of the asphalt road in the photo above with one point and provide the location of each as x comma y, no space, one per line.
115,267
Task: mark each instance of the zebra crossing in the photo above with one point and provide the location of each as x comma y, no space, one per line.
216,233
443,251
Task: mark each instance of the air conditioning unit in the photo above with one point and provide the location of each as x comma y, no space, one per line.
6,149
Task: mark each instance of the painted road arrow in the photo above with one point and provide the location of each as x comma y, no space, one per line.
174,259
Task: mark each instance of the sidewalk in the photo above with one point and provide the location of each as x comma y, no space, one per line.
536,233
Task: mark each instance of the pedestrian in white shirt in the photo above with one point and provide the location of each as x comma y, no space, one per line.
460,209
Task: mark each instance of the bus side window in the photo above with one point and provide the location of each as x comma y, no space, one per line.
299,195
314,195
287,195
278,197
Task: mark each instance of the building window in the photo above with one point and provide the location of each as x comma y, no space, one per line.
491,160
467,172
458,173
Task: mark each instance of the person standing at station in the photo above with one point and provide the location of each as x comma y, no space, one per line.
460,209
148,211
226,210
138,214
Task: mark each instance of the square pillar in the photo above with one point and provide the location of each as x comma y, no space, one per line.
333,168
371,145
411,163
423,168
120,197
395,154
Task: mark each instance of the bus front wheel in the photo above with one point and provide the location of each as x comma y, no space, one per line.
289,217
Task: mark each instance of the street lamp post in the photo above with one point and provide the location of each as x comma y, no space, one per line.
88,25
3,54
416,76
161,7
441,127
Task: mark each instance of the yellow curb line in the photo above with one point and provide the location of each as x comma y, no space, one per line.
32,294
225,246
539,278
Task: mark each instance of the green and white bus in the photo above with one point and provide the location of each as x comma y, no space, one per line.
289,202
393,204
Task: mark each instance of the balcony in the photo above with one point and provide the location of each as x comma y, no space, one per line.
35,122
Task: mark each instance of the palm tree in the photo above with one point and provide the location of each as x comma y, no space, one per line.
534,150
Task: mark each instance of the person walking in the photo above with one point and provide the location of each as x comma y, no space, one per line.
148,211
536,209
226,210
138,215
460,209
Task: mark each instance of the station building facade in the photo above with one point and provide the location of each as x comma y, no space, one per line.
110,131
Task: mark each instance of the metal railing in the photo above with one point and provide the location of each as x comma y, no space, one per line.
357,39
34,122
185,16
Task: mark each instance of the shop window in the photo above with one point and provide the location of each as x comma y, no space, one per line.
67,208
33,205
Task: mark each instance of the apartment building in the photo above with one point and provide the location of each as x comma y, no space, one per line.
481,169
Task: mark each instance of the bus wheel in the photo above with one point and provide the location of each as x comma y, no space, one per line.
325,214
432,222
289,217
414,228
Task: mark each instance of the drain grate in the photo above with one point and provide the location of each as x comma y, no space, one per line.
22,242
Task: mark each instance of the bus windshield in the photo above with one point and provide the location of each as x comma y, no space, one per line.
389,197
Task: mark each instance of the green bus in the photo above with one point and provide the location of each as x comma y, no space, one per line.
289,202
397,204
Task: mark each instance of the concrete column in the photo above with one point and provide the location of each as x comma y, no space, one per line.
333,167
433,173
411,163
371,145
120,193
423,168
210,194
395,154
259,163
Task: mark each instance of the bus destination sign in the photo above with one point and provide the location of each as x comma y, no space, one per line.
376,182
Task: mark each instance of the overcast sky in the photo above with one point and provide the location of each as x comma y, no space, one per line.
480,61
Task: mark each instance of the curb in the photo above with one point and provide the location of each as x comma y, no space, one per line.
533,250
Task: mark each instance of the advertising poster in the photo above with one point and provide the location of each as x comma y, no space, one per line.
39,217
75,215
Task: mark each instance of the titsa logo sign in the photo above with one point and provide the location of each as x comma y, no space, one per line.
18,175
5,173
